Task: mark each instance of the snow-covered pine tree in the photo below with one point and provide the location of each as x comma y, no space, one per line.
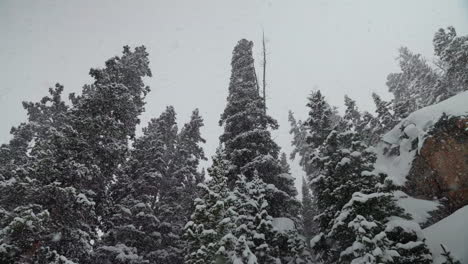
357,208
253,221
188,154
243,254
299,132
309,135
385,118
210,230
451,50
297,251
366,128
308,211
137,224
413,87
319,123
352,116
246,138
106,114
46,214
72,156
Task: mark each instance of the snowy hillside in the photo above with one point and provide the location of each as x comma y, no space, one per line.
452,233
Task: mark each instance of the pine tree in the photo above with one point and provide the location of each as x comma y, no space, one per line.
308,211
308,136
247,140
415,86
210,231
135,223
451,50
243,254
319,123
385,119
153,198
297,251
54,202
355,207
352,116
188,154
253,221
366,128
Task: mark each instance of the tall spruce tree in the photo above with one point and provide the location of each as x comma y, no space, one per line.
153,197
318,123
247,139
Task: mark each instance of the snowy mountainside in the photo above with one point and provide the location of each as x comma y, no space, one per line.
452,233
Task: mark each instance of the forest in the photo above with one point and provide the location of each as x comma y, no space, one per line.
79,185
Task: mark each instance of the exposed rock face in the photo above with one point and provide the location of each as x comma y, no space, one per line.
440,169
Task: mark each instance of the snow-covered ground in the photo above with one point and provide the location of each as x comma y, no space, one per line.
452,232
418,208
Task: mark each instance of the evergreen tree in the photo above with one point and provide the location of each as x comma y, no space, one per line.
308,211
413,87
308,136
247,140
186,161
45,205
210,231
451,50
299,134
385,119
297,252
135,224
319,123
106,114
153,198
355,208
366,128
71,156
352,116
253,221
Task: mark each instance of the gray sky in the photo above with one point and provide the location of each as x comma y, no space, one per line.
342,47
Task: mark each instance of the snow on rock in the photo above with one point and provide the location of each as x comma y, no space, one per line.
283,224
423,119
416,125
452,233
419,209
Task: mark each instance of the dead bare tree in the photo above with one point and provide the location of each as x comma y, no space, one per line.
264,71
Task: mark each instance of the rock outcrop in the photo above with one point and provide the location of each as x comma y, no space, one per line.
440,169
426,154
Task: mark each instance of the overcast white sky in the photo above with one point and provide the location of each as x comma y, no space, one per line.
342,47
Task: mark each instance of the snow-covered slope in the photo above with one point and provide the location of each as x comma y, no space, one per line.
452,232
419,209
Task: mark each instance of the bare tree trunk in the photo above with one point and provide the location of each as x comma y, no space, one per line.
264,71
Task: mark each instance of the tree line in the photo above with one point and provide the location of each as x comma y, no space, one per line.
78,186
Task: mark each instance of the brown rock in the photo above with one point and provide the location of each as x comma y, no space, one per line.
440,170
